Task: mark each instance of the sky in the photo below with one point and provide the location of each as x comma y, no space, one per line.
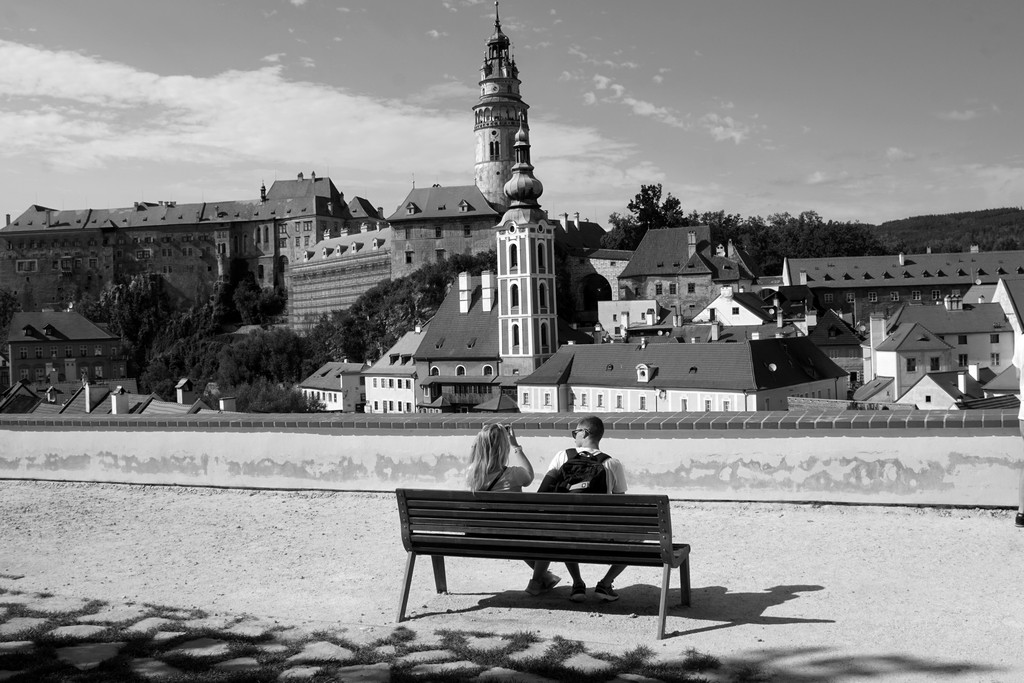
866,110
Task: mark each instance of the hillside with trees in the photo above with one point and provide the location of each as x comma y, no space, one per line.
990,230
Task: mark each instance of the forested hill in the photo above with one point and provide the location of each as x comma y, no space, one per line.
990,229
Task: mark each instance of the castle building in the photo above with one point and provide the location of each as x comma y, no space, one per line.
50,258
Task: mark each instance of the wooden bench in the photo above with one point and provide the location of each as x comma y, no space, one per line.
560,527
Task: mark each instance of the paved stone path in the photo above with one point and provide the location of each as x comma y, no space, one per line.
44,637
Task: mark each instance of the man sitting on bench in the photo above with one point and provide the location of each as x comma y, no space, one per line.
585,469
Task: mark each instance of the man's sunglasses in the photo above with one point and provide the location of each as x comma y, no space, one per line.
574,432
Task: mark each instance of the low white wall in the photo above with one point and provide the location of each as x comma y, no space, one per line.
810,460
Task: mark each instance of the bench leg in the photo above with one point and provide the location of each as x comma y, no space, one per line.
410,564
684,582
666,575
440,580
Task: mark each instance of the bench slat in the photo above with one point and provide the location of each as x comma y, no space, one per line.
650,511
608,519
497,533
498,523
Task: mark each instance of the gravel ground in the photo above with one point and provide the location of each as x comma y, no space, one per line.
811,592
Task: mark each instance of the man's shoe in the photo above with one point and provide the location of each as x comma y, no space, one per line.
579,592
606,593
1019,519
551,580
535,588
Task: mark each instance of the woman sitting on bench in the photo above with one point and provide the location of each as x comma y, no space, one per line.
490,470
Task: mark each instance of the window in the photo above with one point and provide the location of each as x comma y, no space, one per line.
97,371
643,403
83,350
488,371
68,352
391,384
961,339
682,405
707,406
97,351
23,352
618,401
691,287
438,232
583,400
828,298
460,370
672,288
954,292
435,371
467,231
657,289
916,295
725,406
514,296
408,257
928,398
526,399
513,257
305,241
494,150
374,382
911,365
735,310
894,296
53,352
547,399
936,295
872,297
995,360
993,338
39,352
933,364
439,253
375,406
850,297
600,400
961,360
298,242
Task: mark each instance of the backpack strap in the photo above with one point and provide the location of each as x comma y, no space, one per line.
571,453
496,479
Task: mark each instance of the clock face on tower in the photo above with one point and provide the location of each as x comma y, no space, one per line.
491,88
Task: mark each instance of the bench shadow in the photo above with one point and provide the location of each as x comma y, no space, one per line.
710,603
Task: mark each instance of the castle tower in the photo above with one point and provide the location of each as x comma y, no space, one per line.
499,114
527,319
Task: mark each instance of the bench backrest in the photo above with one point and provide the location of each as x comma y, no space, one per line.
588,528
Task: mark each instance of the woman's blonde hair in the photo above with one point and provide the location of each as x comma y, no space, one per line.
489,454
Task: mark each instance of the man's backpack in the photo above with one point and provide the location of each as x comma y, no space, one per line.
583,473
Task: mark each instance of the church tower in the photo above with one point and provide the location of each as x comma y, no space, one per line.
527,319
499,114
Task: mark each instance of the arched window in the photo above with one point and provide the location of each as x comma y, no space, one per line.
543,288
488,371
543,337
434,371
540,258
282,263
515,338
259,271
460,370
513,257
513,296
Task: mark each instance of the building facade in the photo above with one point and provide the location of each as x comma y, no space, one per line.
47,348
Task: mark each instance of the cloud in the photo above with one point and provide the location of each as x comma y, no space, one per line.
617,93
567,76
274,58
966,115
589,98
192,136
435,34
575,51
307,62
658,78
298,3
724,128
451,90
897,154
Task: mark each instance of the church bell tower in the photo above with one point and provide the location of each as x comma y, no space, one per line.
498,115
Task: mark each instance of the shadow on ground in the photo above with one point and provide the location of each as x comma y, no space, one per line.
814,665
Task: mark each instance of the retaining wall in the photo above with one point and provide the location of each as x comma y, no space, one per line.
918,457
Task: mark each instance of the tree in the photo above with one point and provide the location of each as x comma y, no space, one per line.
647,211
264,396
8,307
137,311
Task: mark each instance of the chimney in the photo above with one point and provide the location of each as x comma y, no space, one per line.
726,291
186,396
419,328
730,250
691,244
88,395
300,175
981,298
598,333
903,260
716,331
312,175
8,219
972,370
754,336
119,402
576,220
487,294
810,318
677,318
565,221
961,382
643,342
263,193
975,249
803,277
649,317
876,328
227,404
928,250
463,292
778,315
693,340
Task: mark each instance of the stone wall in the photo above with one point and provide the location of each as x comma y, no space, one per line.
913,457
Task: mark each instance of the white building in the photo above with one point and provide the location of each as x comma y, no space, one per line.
391,382
339,386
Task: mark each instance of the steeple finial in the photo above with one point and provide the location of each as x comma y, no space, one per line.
497,19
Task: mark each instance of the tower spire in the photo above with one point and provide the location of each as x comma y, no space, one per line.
497,19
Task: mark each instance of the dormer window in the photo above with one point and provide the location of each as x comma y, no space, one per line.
49,330
411,208
643,373
464,207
